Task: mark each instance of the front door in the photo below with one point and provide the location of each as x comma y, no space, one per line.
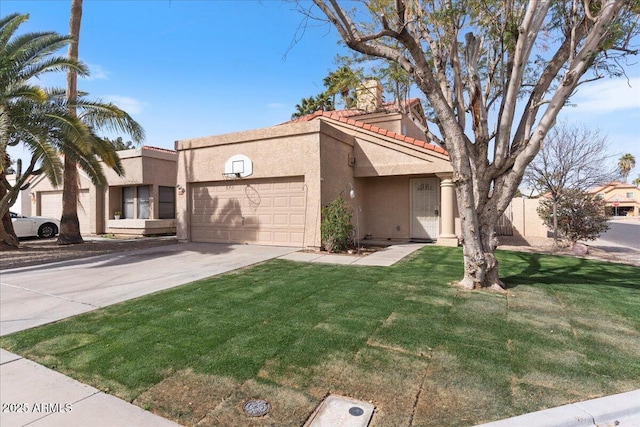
425,208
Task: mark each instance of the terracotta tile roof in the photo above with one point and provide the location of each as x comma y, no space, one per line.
340,117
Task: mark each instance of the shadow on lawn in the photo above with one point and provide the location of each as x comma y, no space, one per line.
544,270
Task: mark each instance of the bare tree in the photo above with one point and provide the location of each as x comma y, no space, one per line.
478,62
572,158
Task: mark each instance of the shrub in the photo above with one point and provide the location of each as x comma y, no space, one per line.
336,227
580,216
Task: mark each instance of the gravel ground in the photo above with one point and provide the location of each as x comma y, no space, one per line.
42,251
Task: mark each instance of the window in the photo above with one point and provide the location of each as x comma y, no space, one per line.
127,202
143,202
630,195
167,203
600,196
135,202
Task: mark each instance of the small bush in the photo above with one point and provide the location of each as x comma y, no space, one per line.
580,216
336,227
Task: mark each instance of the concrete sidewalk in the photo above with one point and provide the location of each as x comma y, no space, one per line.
35,396
383,258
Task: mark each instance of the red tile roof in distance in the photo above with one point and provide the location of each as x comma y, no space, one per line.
344,116
163,150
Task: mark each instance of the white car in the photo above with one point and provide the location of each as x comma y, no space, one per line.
34,226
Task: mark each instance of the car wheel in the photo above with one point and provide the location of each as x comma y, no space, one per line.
47,230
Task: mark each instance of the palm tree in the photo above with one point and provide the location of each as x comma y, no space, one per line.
69,224
95,115
636,181
625,164
23,58
343,81
321,102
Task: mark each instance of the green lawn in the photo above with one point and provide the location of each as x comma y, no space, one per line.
424,352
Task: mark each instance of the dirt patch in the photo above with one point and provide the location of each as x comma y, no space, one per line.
362,250
43,251
194,399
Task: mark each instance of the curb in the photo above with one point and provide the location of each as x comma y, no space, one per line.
617,410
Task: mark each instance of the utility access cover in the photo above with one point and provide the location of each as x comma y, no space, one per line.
340,411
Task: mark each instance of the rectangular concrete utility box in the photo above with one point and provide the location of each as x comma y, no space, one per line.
340,411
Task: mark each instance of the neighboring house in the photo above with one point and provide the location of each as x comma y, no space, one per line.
268,186
621,199
144,197
20,201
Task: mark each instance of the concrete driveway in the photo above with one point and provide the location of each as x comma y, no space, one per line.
33,296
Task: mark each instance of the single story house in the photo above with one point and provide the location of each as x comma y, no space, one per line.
144,198
268,186
621,199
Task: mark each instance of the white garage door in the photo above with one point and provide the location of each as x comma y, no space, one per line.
51,206
260,211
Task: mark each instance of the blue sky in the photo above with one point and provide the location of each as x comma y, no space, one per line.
186,69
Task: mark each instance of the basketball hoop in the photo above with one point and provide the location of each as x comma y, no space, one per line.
231,175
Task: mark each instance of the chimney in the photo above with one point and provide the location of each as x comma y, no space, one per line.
369,96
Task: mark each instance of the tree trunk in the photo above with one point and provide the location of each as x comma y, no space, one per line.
480,243
7,233
69,224
555,221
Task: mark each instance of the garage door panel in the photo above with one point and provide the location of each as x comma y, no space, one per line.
296,201
51,206
268,211
281,219
296,219
280,186
266,219
280,202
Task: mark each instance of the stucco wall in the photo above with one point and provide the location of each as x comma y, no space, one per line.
89,219
321,151
284,151
526,221
336,174
386,203
412,130
143,166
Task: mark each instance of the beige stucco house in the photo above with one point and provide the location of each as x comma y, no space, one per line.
144,197
621,199
268,186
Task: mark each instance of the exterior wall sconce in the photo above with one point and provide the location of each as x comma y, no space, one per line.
352,192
